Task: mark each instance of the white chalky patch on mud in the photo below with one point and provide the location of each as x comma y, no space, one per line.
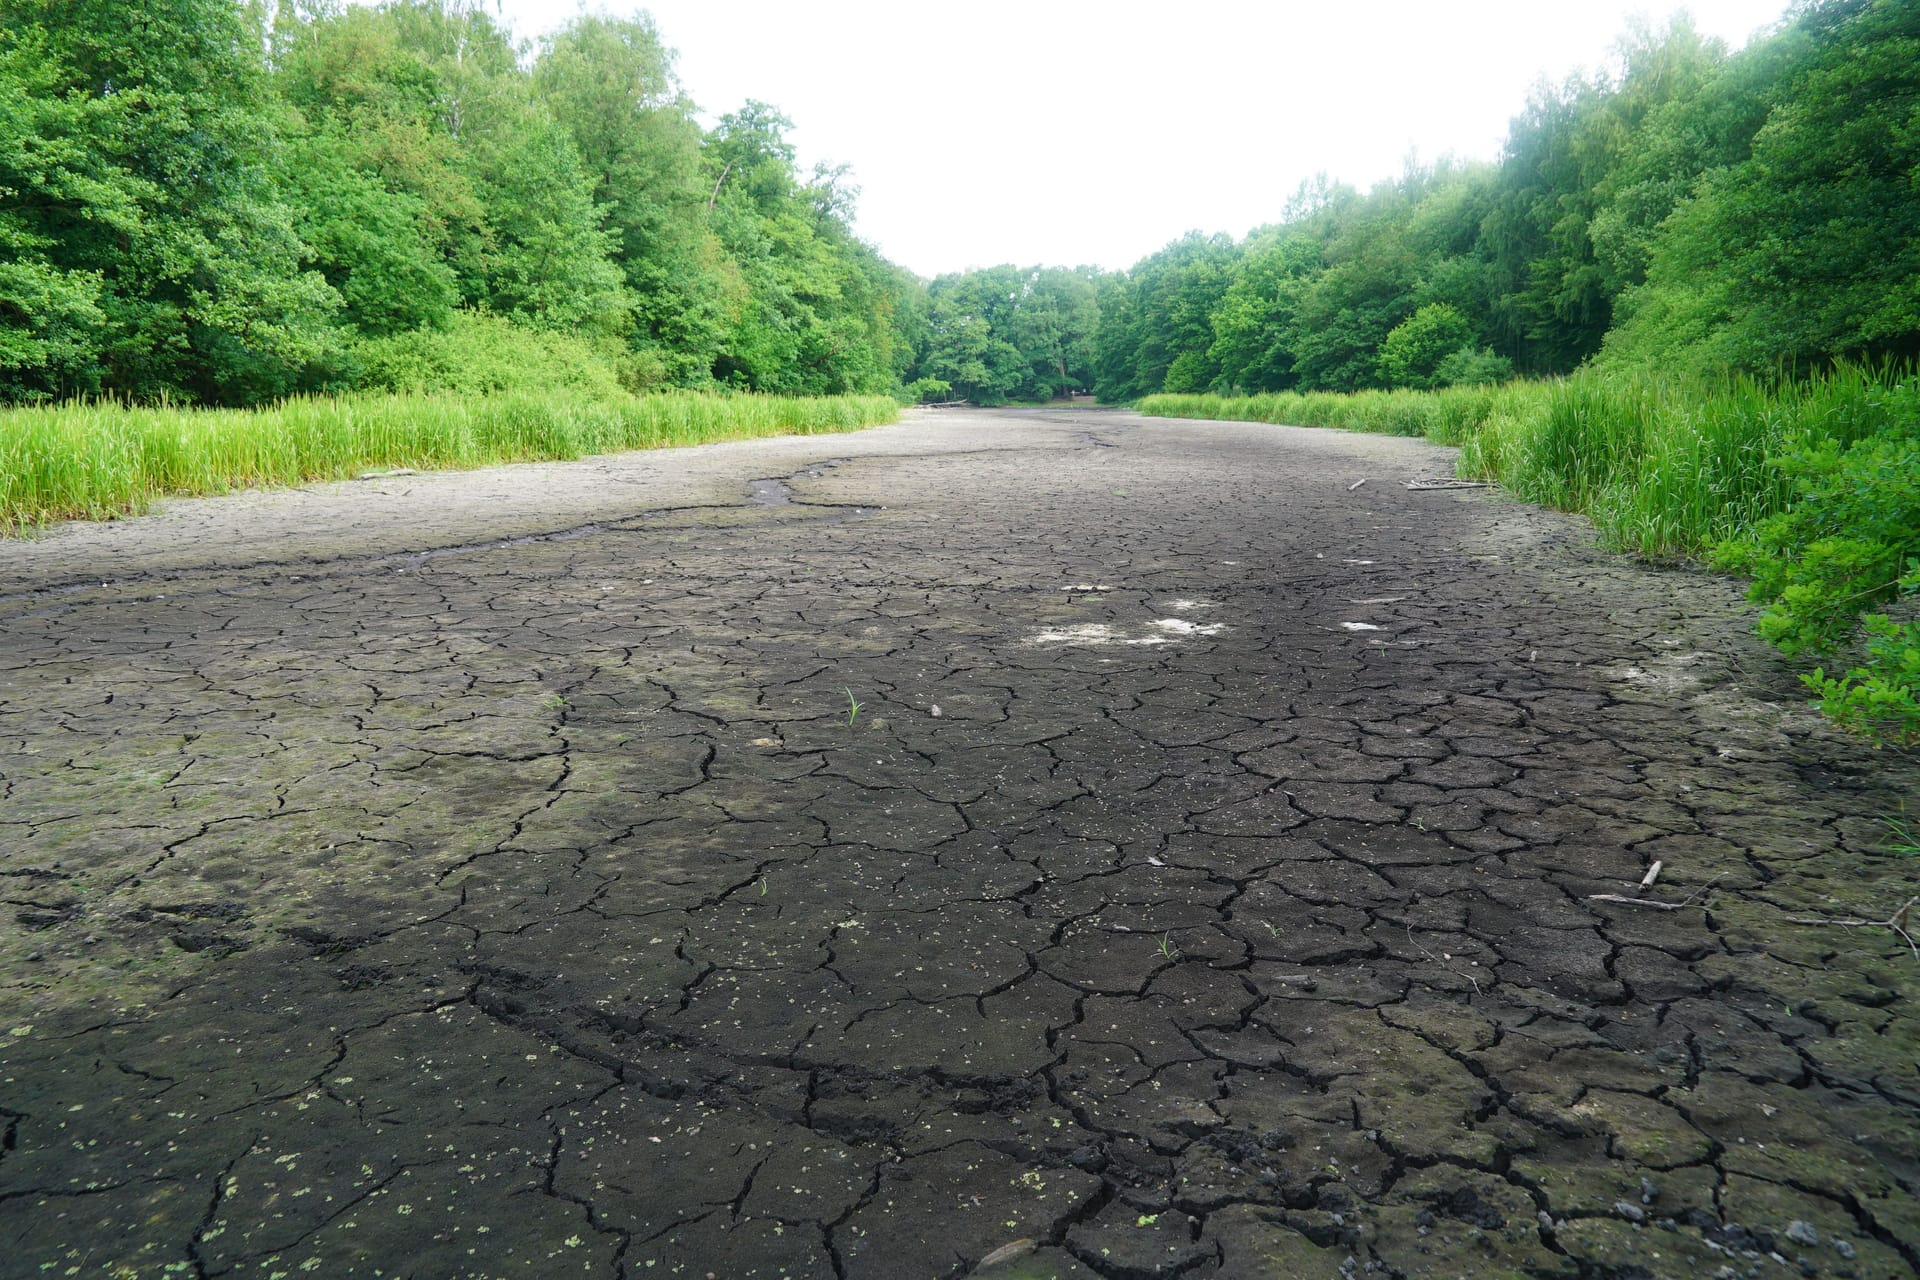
1359,626
1087,586
1181,627
1187,606
1089,633
1667,672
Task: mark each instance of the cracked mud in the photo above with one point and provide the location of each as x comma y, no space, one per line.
491,875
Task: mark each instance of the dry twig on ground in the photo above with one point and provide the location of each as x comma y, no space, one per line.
1896,922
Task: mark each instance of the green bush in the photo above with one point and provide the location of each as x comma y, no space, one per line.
926,391
483,354
1880,697
1848,544
1473,367
1417,346
1850,540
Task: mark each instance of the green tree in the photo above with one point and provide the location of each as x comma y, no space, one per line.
971,320
53,325
1343,314
140,195
1808,249
811,309
1162,310
610,82
374,245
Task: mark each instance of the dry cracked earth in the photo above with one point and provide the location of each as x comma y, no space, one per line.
493,875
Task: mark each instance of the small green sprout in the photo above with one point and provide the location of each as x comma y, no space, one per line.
853,709
1146,1220
1167,948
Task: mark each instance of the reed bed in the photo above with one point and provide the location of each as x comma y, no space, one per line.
99,460
1665,467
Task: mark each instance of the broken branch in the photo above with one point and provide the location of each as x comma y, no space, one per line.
1896,922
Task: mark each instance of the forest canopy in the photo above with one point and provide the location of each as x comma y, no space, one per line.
210,201
223,202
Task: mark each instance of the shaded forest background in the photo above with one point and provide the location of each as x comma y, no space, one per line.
223,202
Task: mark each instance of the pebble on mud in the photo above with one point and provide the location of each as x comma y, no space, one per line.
1801,1232
1630,1211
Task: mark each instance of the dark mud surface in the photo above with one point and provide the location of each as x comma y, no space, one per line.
492,877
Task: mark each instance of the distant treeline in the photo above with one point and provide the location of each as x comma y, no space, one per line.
1693,211
228,202
223,202
1688,210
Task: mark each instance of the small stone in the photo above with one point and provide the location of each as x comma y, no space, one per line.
1843,1247
1801,1232
1087,1157
1630,1211
1649,1191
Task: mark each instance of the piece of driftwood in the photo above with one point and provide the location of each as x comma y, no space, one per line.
385,475
1625,901
1896,922
1007,1253
1356,484
1446,482
1653,873
1654,903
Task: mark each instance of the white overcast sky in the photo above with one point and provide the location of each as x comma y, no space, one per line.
1066,131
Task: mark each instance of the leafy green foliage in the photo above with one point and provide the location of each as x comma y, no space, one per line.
372,244
1850,538
1881,696
197,208
1159,312
926,391
1470,366
1006,333
478,353
1414,349
1807,247
155,255
1688,211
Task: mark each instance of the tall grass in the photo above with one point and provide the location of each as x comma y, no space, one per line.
1446,417
96,461
1665,467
